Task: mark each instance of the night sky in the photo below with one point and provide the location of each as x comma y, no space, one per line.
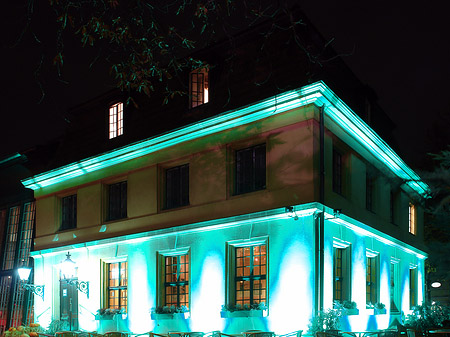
401,51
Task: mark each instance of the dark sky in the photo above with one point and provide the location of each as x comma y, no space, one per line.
401,51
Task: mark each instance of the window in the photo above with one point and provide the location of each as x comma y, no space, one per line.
69,212
115,120
177,186
412,219
26,233
412,287
176,280
371,279
199,85
393,285
341,274
337,171
11,238
247,273
117,201
369,192
250,174
117,285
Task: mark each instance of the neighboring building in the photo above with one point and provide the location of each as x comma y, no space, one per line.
17,211
285,197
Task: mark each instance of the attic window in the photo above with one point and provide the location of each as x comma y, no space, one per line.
198,87
115,120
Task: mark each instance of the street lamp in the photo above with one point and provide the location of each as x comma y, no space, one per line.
68,271
24,274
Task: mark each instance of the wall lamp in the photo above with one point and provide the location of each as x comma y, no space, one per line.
337,212
24,274
69,271
436,284
291,212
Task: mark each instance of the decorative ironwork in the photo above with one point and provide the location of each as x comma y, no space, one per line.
35,289
82,286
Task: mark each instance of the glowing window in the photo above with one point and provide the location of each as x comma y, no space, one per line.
117,285
341,274
69,212
115,120
250,169
337,171
412,287
176,280
117,201
371,280
199,87
250,275
412,219
177,186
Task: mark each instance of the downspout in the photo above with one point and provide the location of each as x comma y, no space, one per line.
319,219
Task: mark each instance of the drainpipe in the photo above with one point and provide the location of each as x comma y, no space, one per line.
320,219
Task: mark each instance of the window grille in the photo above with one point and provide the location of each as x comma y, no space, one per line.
176,281
250,174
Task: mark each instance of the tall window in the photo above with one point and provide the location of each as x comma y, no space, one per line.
412,219
177,186
69,212
369,192
250,174
117,285
176,280
393,285
199,87
117,201
337,171
250,275
412,287
11,238
341,274
26,233
115,120
371,280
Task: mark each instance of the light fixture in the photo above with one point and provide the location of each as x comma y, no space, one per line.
69,270
337,212
291,212
24,274
436,284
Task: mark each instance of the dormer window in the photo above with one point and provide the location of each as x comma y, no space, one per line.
198,87
116,120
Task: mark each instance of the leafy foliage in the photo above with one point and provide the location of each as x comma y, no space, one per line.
245,307
428,316
329,319
169,309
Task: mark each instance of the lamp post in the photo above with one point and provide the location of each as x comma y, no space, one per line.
68,271
24,275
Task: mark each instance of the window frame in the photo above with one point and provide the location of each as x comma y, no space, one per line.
104,298
231,266
413,286
394,294
161,276
183,195
344,248
203,91
115,120
412,218
122,211
256,173
71,222
372,277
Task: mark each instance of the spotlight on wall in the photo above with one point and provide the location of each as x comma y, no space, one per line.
436,284
291,212
24,274
69,271
337,212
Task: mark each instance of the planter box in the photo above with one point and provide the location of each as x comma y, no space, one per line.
350,312
176,315
376,311
243,313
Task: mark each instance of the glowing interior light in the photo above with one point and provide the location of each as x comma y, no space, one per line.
436,284
317,93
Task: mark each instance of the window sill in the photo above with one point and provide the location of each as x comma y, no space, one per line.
350,312
244,313
110,317
376,311
176,315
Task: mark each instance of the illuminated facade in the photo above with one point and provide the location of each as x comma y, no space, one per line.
263,205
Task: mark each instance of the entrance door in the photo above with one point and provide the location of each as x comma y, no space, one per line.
69,304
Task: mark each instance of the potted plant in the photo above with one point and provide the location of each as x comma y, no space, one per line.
346,307
169,312
376,309
326,320
246,310
109,314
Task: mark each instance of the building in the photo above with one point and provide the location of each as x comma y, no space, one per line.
279,204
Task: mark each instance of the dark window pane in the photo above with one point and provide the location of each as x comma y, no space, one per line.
117,205
250,169
69,212
177,186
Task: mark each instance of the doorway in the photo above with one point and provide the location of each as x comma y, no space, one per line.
69,304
